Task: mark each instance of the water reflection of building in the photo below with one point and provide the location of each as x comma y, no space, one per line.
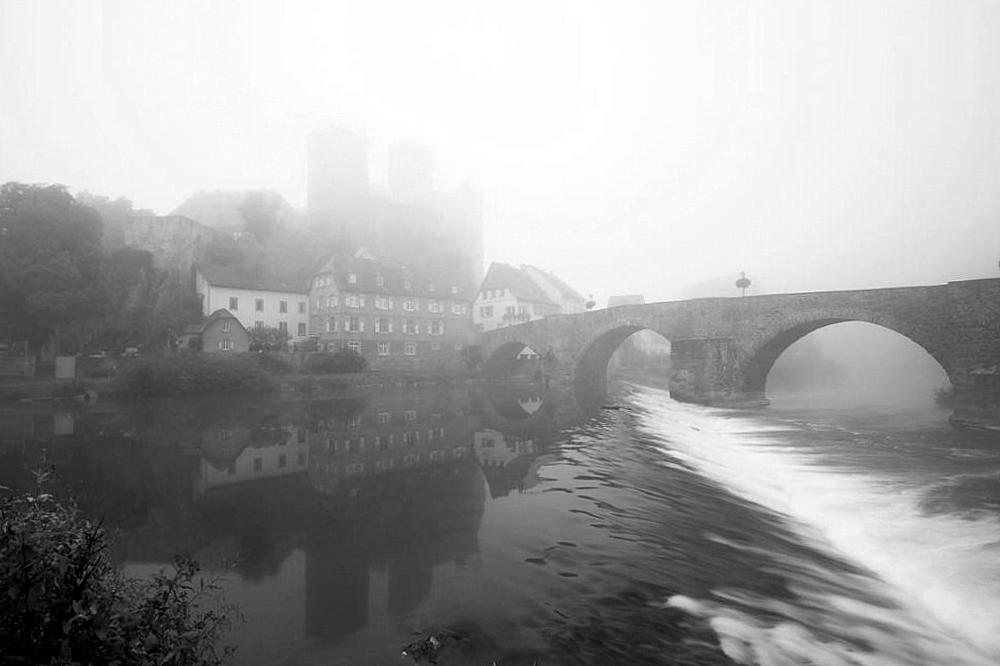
389,533
495,449
381,513
405,496
519,424
394,432
236,454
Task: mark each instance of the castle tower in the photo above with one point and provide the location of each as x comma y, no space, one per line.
410,173
337,171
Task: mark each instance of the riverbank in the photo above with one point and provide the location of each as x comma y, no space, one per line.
87,389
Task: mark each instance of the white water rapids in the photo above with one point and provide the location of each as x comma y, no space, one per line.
927,586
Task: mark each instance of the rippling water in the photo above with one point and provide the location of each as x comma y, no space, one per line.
654,532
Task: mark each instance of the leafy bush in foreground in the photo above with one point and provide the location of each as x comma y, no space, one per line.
187,374
64,603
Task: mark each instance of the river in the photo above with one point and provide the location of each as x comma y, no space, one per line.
647,532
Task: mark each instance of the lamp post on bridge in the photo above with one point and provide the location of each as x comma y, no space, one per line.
743,283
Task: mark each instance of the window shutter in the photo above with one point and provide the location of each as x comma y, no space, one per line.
390,326
362,324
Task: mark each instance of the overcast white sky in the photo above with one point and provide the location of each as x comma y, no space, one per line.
653,147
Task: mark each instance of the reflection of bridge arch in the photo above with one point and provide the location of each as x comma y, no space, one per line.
502,411
723,348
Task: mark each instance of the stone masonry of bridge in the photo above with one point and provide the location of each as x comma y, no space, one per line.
723,348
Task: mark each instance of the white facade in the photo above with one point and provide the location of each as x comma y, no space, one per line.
497,308
283,458
494,449
490,306
256,308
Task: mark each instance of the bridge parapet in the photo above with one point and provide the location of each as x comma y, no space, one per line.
723,348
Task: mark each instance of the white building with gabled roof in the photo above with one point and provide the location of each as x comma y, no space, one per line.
510,295
256,301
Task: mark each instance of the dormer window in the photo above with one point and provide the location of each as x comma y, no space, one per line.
407,284
352,278
379,281
430,287
454,289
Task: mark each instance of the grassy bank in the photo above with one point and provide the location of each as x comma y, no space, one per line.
196,374
204,374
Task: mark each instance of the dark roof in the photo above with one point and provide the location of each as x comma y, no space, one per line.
394,277
221,313
505,276
223,276
567,291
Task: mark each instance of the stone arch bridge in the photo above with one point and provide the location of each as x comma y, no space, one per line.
723,348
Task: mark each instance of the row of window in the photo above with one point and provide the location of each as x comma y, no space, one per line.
382,326
486,311
352,278
383,442
496,293
258,305
384,348
355,421
386,303
283,327
409,460
258,463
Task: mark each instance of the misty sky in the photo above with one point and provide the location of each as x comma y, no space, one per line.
653,147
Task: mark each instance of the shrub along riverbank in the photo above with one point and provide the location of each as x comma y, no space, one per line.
184,375
198,374
188,374
64,602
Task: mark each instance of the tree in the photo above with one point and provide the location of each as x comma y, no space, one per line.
174,306
51,282
260,214
115,213
131,278
267,338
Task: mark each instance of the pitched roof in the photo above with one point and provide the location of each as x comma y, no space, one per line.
567,291
505,276
224,276
221,313
367,270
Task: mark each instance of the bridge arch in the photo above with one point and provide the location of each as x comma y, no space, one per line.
590,365
771,341
503,361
